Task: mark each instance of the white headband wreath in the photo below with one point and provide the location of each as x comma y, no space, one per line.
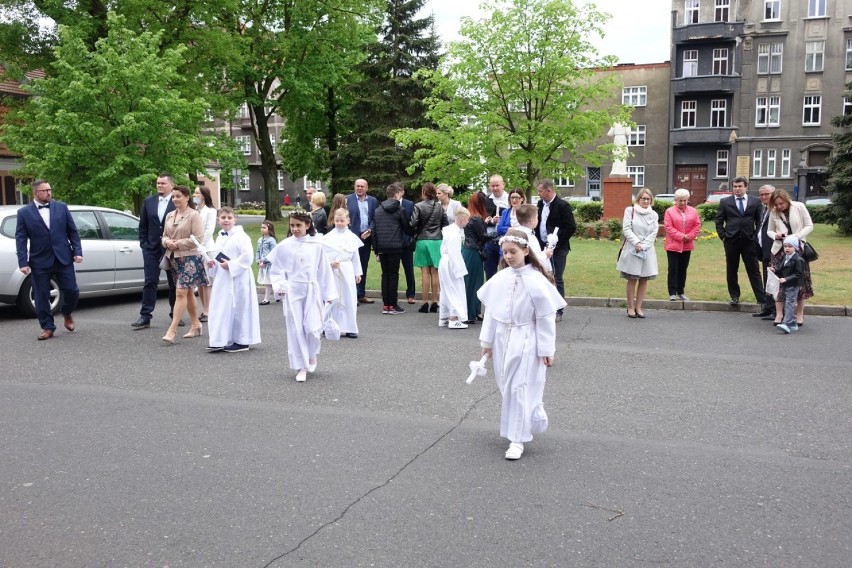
513,239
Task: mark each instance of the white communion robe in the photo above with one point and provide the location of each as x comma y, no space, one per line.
535,248
520,328
451,273
300,272
342,245
234,316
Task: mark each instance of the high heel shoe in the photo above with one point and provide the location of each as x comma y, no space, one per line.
634,316
194,332
169,337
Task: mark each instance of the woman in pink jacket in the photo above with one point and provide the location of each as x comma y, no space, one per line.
682,226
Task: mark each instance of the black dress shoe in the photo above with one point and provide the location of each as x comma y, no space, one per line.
735,301
763,314
141,323
769,316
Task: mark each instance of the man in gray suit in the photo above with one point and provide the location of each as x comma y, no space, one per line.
764,249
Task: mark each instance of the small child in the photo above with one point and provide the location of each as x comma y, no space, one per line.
790,275
265,244
519,334
527,216
451,272
302,275
341,248
233,322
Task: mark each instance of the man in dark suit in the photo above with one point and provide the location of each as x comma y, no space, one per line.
554,212
362,212
151,217
764,249
54,247
737,224
408,254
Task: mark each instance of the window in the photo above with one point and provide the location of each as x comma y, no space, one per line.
769,57
244,111
637,136
814,52
244,143
244,183
816,8
785,162
280,180
274,143
87,225
691,10
757,164
770,163
593,181
772,10
847,105
767,111
722,163
687,114
775,57
720,61
718,113
849,54
690,63
121,227
561,178
811,110
722,9
638,175
762,58
634,96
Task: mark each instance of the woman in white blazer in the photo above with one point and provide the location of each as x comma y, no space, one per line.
788,217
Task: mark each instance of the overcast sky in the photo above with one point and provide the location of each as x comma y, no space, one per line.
638,32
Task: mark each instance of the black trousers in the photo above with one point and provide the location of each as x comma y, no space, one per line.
390,276
151,265
559,260
741,248
408,269
678,264
364,255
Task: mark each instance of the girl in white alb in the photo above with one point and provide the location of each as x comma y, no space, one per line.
341,249
451,272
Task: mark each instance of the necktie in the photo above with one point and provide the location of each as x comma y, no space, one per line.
741,205
44,206
224,233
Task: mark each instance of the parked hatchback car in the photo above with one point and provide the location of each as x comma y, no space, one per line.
112,257
716,196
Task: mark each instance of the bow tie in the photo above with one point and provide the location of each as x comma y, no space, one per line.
44,206
224,233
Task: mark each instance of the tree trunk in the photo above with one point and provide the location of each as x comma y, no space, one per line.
268,166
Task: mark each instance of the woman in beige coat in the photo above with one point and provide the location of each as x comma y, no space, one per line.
789,217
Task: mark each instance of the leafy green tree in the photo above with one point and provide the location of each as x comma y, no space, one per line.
388,97
840,172
109,117
519,94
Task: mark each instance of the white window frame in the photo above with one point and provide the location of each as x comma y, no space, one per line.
274,143
718,113
847,105
593,180
637,135
849,54
691,8
814,56
637,173
690,63
811,110
774,117
244,111
771,162
634,96
244,143
244,182
722,11
763,59
786,155
720,61
688,113
771,10
757,164
816,8
561,179
767,111
776,58
722,163
280,176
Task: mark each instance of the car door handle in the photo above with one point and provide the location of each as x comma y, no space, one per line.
125,250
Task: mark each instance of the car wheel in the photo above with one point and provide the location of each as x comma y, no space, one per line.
26,302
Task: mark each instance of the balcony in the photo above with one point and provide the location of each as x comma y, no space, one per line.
701,135
706,84
711,31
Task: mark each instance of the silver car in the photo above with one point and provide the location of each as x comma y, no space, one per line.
112,257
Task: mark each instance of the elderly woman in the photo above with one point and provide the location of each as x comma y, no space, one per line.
637,260
427,220
204,205
444,193
509,219
789,217
319,218
184,259
682,226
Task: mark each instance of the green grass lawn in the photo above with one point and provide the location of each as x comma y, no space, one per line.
591,269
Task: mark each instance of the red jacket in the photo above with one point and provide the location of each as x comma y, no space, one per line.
676,228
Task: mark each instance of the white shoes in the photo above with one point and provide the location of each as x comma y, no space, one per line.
301,376
443,322
312,366
516,449
456,324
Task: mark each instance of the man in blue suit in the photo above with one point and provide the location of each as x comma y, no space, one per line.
408,254
362,213
151,217
54,247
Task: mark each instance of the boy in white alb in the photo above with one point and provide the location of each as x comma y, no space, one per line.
451,273
527,216
341,249
233,322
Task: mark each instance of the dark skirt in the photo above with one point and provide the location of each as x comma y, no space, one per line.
806,290
473,281
189,271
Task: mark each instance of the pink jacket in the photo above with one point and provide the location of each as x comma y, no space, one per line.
676,228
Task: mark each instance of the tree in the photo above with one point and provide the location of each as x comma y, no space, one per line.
388,97
840,172
518,94
109,117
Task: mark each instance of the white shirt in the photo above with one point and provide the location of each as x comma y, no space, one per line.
44,212
162,204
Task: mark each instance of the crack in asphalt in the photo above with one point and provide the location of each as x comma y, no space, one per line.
381,485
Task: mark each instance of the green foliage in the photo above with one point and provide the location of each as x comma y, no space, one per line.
588,211
822,214
840,173
708,211
108,118
615,227
524,78
660,207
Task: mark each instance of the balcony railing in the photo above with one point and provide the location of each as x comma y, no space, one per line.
710,31
700,135
706,83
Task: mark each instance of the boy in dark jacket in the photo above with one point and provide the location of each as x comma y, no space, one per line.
790,275
390,225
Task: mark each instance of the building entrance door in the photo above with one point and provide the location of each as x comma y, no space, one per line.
693,178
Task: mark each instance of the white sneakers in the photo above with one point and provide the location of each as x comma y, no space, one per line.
516,449
443,322
456,324
312,366
301,376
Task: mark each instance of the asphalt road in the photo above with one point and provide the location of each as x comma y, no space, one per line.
685,439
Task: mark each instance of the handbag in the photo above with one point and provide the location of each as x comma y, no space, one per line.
808,252
624,241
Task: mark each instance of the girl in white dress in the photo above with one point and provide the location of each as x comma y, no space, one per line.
302,276
519,334
265,244
341,249
451,272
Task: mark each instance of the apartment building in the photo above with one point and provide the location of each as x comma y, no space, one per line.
754,85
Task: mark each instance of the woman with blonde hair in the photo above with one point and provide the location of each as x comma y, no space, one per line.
637,260
786,218
319,218
444,193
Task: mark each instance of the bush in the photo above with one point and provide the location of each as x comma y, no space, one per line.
589,211
822,214
252,205
615,228
581,231
660,207
707,211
